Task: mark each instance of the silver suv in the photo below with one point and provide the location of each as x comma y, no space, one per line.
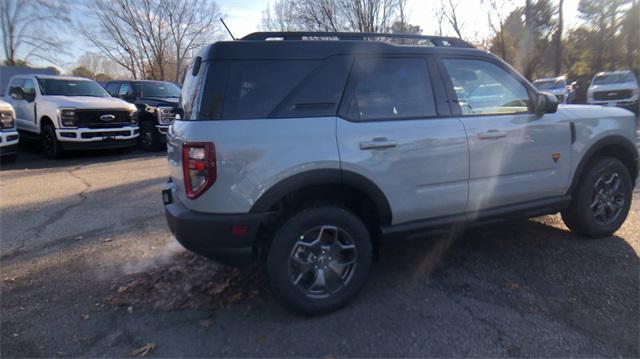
308,151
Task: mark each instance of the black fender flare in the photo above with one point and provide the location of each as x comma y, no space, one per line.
614,140
325,176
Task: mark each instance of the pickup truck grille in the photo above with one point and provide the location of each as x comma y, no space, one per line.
611,95
92,118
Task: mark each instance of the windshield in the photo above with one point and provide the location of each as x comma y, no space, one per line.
59,87
159,89
549,84
613,78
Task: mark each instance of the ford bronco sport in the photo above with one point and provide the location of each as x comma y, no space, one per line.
307,151
70,113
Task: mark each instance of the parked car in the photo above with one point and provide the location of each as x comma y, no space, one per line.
556,86
8,134
306,154
157,103
615,88
70,113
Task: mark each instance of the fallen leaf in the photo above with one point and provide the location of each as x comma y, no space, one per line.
107,240
144,350
78,238
206,323
512,285
85,316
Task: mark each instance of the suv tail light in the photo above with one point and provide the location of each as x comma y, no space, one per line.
199,167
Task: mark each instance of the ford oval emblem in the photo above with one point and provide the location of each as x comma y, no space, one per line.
108,118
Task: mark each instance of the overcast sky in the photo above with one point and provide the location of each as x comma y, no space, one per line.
244,16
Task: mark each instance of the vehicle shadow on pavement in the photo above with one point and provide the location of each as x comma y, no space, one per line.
527,288
30,157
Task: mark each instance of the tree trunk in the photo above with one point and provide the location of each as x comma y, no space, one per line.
558,59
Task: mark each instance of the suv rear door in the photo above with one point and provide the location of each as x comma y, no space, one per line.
394,130
515,156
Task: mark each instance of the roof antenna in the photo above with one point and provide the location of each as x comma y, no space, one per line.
225,26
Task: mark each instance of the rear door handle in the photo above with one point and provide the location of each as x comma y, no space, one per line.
378,143
492,135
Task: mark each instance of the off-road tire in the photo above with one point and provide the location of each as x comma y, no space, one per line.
580,216
287,239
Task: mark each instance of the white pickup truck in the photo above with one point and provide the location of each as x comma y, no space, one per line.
70,113
8,135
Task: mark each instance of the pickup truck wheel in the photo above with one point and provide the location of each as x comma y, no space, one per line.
601,201
319,260
149,137
50,145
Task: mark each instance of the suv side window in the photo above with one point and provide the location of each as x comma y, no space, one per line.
390,88
484,88
112,88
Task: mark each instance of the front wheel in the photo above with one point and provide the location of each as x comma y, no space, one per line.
319,260
51,147
149,136
601,201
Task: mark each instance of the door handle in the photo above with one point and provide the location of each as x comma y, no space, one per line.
492,135
378,143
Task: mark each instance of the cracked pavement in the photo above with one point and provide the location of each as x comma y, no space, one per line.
73,229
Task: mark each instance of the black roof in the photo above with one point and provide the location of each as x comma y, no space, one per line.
320,45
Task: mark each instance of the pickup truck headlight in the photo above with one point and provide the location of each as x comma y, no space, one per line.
133,116
165,115
68,117
6,120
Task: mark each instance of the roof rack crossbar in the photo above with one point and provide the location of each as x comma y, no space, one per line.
440,41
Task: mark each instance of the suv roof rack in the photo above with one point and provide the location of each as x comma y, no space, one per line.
439,41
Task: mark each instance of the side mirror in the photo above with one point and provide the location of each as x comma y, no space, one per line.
29,96
546,103
16,93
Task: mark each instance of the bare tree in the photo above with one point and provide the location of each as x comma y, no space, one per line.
26,30
334,15
280,17
151,38
558,41
450,13
496,19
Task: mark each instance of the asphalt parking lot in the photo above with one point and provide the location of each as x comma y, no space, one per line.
88,268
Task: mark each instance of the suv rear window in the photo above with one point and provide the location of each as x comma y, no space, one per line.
256,87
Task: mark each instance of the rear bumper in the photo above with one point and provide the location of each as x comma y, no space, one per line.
213,235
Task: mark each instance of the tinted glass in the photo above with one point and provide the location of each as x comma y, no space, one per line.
159,89
192,90
125,89
15,83
320,93
112,88
486,88
59,87
391,89
255,88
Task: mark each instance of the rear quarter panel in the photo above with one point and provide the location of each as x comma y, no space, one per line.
252,156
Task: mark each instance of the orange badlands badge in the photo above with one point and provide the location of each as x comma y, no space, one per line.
555,156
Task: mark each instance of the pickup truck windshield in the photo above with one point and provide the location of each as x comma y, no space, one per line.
613,78
159,89
59,87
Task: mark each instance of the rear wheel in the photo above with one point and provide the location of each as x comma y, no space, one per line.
602,199
51,147
319,260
